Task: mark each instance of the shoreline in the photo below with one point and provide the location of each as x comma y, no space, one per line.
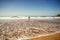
44,35
55,36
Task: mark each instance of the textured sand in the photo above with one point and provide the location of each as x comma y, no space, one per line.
14,29
49,37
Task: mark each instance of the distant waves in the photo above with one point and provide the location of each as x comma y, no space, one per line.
30,17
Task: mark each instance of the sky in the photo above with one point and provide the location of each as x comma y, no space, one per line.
29,7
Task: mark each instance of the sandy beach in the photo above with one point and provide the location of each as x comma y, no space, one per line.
48,37
14,29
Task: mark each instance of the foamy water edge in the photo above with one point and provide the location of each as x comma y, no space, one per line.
39,36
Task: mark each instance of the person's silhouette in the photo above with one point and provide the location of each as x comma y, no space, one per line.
28,18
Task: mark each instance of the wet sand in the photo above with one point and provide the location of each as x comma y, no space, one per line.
49,37
22,28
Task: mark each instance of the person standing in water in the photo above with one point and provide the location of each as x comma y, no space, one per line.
29,18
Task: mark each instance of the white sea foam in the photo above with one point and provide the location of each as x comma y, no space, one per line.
38,36
30,17
13,17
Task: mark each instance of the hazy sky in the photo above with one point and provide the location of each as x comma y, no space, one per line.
29,7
